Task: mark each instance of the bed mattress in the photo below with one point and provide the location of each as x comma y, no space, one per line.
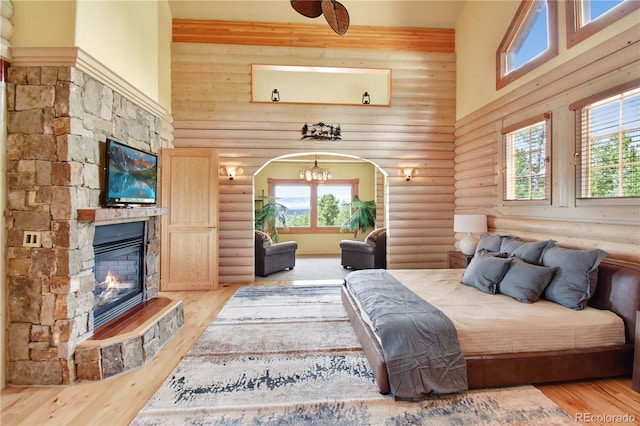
497,324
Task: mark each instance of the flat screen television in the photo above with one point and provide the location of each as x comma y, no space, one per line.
131,177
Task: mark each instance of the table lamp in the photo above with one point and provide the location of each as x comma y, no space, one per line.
469,223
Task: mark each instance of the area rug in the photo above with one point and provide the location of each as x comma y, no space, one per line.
287,355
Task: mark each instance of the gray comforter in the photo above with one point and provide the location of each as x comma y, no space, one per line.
420,343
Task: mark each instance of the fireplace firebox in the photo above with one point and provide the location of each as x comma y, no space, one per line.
119,270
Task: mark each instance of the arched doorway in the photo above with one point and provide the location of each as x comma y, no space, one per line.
313,231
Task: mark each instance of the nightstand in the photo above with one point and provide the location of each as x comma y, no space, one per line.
635,382
458,260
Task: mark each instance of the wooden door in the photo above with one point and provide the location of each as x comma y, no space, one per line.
189,254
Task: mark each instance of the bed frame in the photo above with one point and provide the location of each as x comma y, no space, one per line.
618,290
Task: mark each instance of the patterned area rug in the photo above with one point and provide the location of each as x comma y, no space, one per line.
287,355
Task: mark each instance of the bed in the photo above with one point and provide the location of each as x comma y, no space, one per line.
536,355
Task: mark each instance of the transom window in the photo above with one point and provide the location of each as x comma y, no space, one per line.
527,174
608,145
587,17
530,40
591,10
314,206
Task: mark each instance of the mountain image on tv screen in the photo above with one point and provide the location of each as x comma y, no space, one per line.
131,175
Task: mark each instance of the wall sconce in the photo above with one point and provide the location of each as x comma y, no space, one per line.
275,96
407,173
366,99
231,171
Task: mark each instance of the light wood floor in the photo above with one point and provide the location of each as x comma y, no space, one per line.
117,400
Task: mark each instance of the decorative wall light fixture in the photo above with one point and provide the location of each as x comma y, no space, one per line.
407,173
366,99
321,131
315,173
231,171
275,96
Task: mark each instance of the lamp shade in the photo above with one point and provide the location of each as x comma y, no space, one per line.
469,223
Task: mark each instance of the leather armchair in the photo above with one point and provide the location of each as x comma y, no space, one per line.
270,258
368,254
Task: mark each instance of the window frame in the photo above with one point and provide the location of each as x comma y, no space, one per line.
521,19
576,32
547,119
577,107
313,212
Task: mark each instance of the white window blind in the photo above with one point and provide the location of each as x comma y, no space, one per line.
608,147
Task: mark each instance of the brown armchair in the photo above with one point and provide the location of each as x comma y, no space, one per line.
270,258
368,254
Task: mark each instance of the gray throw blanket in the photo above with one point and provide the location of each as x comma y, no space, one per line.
420,343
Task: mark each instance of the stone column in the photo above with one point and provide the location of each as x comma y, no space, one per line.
6,30
58,120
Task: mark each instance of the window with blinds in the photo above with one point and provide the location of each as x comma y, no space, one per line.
608,146
526,173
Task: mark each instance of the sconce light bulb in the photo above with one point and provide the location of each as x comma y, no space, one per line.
231,172
407,173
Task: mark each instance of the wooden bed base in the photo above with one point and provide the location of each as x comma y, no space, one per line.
618,290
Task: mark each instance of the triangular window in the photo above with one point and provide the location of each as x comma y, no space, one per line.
531,39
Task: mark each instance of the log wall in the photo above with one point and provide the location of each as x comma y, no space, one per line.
612,226
212,108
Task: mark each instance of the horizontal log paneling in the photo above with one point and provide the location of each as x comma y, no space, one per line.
211,108
613,228
316,36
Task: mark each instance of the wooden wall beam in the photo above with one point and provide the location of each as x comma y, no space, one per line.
320,36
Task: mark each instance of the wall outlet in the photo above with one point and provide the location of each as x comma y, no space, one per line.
32,239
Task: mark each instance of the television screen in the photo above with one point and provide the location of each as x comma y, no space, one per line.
131,175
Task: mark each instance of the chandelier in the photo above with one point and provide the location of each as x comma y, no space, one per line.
315,173
321,131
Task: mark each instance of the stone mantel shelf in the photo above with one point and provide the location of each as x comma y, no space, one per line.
111,214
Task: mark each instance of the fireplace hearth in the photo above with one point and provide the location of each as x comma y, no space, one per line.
118,271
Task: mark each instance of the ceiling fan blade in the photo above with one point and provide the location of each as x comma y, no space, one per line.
308,8
336,15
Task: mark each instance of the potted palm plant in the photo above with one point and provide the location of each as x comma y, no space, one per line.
271,215
362,219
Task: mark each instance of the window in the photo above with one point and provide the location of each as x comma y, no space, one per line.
608,144
527,174
530,40
314,206
587,17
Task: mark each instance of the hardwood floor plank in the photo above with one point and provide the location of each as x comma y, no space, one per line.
116,401
607,399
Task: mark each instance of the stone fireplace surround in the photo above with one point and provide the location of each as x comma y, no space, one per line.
58,120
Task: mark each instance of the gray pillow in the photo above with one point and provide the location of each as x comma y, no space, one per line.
530,252
577,275
525,282
485,271
488,242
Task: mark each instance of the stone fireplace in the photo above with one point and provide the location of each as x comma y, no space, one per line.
58,120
